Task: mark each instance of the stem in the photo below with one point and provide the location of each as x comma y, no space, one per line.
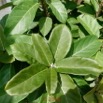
45,7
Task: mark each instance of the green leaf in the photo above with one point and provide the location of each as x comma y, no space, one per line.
6,72
51,81
45,25
95,4
90,97
59,10
86,47
69,89
20,19
27,53
27,80
2,39
42,50
67,92
90,24
6,58
99,58
78,66
60,41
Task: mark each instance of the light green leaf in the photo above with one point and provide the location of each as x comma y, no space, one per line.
95,4
90,24
59,10
45,25
60,41
27,80
51,81
78,66
86,47
90,97
42,50
20,19
23,52
99,58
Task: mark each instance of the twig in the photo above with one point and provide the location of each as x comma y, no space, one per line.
45,7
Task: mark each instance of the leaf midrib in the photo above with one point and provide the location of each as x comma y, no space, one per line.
24,15
83,49
29,78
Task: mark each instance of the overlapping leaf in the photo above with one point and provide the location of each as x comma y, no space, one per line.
42,50
86,47
60,41
79,66
45,25
27,80
22,17
90,24
58,10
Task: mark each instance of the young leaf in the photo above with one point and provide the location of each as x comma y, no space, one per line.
22,17
60,41
27,80
59,10
51,81
45,25
90,24
78,66
42,50
86,47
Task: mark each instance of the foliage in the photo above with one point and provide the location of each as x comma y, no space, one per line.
51,51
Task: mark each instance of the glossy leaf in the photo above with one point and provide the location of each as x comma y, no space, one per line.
20,19
27,80
60,41
78,66
42,50
86,47
58,10
51,81
45,25
90,24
